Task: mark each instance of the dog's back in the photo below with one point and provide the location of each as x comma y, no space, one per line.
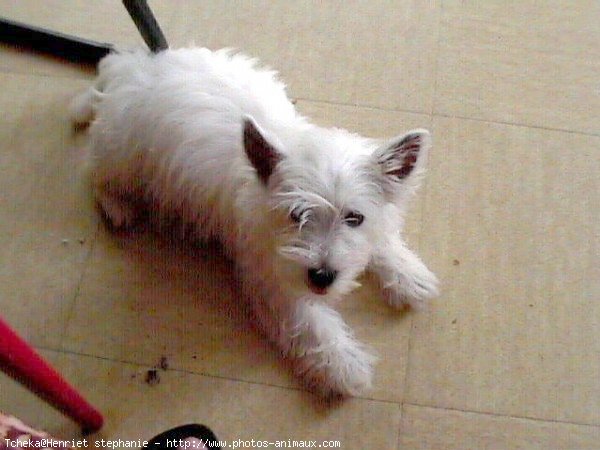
172,119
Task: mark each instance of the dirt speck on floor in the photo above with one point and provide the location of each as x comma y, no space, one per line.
163,363
152,377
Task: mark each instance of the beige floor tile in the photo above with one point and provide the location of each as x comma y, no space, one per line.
390,66
370,122
437,429
529,62
387,336
14,60
234,410
46,221
512,227
373,53
143,298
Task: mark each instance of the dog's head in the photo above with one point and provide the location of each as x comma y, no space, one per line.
331,194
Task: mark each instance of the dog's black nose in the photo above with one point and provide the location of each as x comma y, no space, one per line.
321,278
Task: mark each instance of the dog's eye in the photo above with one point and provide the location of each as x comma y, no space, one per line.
353,219
296,215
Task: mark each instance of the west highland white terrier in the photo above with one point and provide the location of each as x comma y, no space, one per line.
303,210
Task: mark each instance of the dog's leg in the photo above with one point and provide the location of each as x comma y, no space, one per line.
404,277
118,210
82,107
324,351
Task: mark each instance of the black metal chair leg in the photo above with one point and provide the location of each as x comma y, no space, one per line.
147,25
71,48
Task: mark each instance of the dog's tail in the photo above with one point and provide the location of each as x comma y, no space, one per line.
83,106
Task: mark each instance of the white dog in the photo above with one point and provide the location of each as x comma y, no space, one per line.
303,210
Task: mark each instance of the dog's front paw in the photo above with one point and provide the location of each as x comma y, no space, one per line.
342,369
415,289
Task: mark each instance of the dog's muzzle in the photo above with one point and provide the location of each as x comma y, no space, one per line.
320,279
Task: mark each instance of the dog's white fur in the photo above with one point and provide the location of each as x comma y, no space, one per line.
208,137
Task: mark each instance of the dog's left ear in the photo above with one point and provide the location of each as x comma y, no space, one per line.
261,153
403,156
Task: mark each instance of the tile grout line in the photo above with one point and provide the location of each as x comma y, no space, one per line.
401,405
84,75
506,416
86,263
451,116
421,215
201,374
437,57
399,434
170,369
412,318
356,105
516,124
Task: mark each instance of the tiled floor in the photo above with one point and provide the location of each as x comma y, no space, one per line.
507,358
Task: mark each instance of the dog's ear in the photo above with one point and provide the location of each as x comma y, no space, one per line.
261,153
403,156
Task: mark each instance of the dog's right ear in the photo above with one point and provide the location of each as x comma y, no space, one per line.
401,160
261,153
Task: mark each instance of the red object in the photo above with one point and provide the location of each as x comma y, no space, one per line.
21,361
